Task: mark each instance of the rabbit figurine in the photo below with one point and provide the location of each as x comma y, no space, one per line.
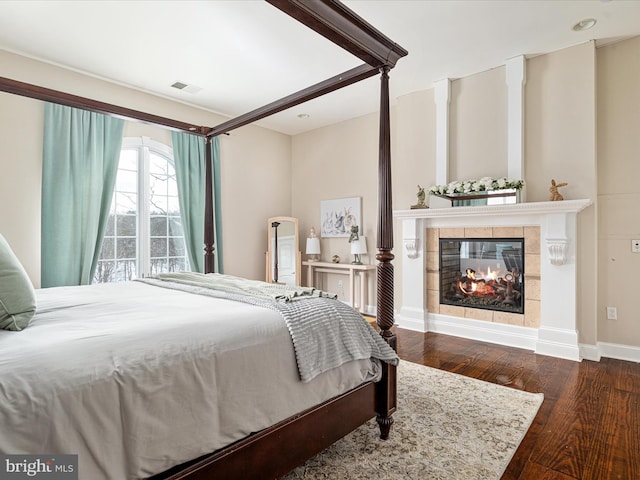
553,190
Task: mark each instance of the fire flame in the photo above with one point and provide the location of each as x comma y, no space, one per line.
472,285
491,275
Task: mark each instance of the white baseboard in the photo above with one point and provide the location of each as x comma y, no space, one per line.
410,324
502,334
370,310
559,343
610,350
519,337
589,352
411,319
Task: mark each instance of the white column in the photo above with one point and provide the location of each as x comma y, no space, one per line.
516,79
558,334
412,315
442,98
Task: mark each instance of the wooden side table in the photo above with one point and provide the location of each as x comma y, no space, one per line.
315,268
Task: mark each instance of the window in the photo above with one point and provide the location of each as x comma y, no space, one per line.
144,234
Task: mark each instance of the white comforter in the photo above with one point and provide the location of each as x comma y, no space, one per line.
135,378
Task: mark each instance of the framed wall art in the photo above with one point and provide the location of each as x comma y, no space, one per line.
337,216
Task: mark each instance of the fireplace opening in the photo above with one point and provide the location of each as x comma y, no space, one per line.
485,273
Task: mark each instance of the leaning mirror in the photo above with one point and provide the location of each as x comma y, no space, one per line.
283,253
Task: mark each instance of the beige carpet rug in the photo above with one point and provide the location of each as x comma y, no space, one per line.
447,427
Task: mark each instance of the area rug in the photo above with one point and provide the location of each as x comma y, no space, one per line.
447,427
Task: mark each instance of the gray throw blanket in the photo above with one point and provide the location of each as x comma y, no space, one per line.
326,333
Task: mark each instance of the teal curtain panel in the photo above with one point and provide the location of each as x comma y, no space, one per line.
189,160
79,166
189,157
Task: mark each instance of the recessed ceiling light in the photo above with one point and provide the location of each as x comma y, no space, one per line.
585,24
303,115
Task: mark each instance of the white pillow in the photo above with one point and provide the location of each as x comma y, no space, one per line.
17,295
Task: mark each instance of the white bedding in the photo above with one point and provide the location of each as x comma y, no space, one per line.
134,390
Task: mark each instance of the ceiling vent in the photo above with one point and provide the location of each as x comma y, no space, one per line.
186,87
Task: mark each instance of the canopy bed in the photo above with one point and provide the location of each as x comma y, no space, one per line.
311,426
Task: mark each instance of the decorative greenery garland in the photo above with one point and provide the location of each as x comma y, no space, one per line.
485,184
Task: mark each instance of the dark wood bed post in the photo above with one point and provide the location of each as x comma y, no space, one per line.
209,228
385,397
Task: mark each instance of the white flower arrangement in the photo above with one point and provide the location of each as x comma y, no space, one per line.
485,184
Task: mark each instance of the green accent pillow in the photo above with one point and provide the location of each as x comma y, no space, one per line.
17,295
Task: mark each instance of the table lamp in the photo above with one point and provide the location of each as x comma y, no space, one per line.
358,247
313,246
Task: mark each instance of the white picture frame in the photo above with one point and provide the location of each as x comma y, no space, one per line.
337,216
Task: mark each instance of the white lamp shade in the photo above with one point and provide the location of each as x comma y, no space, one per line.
359,247
313,246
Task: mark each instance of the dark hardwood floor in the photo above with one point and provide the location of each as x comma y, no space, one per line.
588,426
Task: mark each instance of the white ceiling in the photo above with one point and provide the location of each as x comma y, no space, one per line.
244,54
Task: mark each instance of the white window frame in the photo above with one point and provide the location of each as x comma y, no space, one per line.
145,146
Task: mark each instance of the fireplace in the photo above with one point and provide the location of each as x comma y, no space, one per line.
549,229
485,273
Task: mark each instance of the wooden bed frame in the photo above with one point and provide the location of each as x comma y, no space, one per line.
275,451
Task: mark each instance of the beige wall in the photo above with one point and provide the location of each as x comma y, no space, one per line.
256,173
560,144
413,160
21,126
618,190
247,199
478,126
328,164
560,123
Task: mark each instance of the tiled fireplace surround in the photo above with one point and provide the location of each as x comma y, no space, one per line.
531,235
548,325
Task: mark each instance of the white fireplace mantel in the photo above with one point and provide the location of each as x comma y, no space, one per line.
557,335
